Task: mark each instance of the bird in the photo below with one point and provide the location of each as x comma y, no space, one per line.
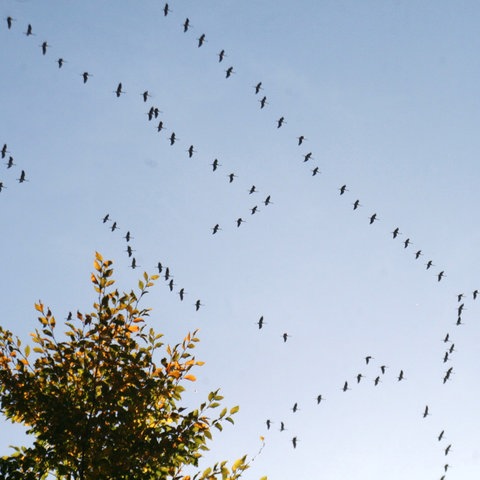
417,254
129,251
459,297
300,139
260,323
356,204
315,171
221,56
160,126
429,264
215,164
252,189
69,316
373,218
105,218
307,157
145,95
268,422
171,285
280,122
377,381
228,72
127,237
231,176
446,466
267,201
459,321
285,337
240,221
368,358
186,24
190,151
294,442
359,377
172,138
447,450
475,294
114,226
60,62
400,376
460,308
445,357
258,87
396,232
406,243
10,20
254,210
282,426
22,177
452,348
345,387
201,40
2,186
4,150
319,399
441,275
167,273
44,47
29,31
150,113
86,76
10,163
119,90
441,435
159,267
447,338
166,9
383,368
425,412
133,264
263,102
181,293
343,189
198,304
295,407
215,229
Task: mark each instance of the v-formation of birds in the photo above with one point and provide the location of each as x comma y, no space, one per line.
154,112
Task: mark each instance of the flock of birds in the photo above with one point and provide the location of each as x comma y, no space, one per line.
153,114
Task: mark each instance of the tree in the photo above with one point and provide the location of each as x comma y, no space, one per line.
97,404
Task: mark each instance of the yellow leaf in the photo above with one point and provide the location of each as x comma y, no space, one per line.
98,257
134,328
190,377
39,307
96,265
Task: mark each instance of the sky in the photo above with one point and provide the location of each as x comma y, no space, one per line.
386,94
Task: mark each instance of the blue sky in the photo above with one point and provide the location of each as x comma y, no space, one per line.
386,94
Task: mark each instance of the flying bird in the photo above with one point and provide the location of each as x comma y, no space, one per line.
114,226
181,293
263,102
105,218
186,24
134,264
221,56
29,31
315,171
396,232
201,40
171,285
231,176
429,264
190,151
368,358
406,243
400,376
258,87
377,381
319,399
252,189
44,47
267,201
282,426
10,20
294,442
159,267
268,422
86,76
10,163
425,412
441,435
254,210
4,150
343,189
383,369
167,273
240,221
166,9
127,237
119,90
441,275
60,62
475,294
215,164
2,186
215,229
300,139
356,204
307,157
160,126
417,254
22,177
228,72
345,387
295,407
459,297
145,95
359,377
373,218
129,251
280,122
447,450
446,339
198,305
172,138
260,323
285,337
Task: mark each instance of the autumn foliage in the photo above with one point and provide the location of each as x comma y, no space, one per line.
98,405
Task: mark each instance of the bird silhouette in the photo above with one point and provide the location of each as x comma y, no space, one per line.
10,21
258,87
134,264
345,387
417,254
368,358
166,9
400,376
295,407
254,210
280,122
159,267
129,251
181,293
4,150
359,377
459,297
60,62
447,338
425,412
44,47
315,171
452,348
252,189
240,221
186,25
22,177
201,40
86,76
282,426
228,72
441,275
263,102
267,201
190,151
343,189
268,422
373,218
447,450
127,236
441,435
160,126
429,264
119,90
198,304
300,139
445,357
167,273
396,233
171,285
294,442
172,138
475,294
406,243
145,95
2,186
215,164
285,337
29,30
459,321
377,381
356,204
105,218
221,56
231,176
114,226
215,229
460,309
319,399
10,163
307,157
260,323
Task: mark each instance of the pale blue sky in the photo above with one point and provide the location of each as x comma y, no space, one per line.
386,93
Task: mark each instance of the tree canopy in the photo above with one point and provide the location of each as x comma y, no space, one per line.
98,405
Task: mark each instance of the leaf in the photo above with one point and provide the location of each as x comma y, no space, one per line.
190,377
97,266
27,350
39,307
98,257
134,328
234,410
